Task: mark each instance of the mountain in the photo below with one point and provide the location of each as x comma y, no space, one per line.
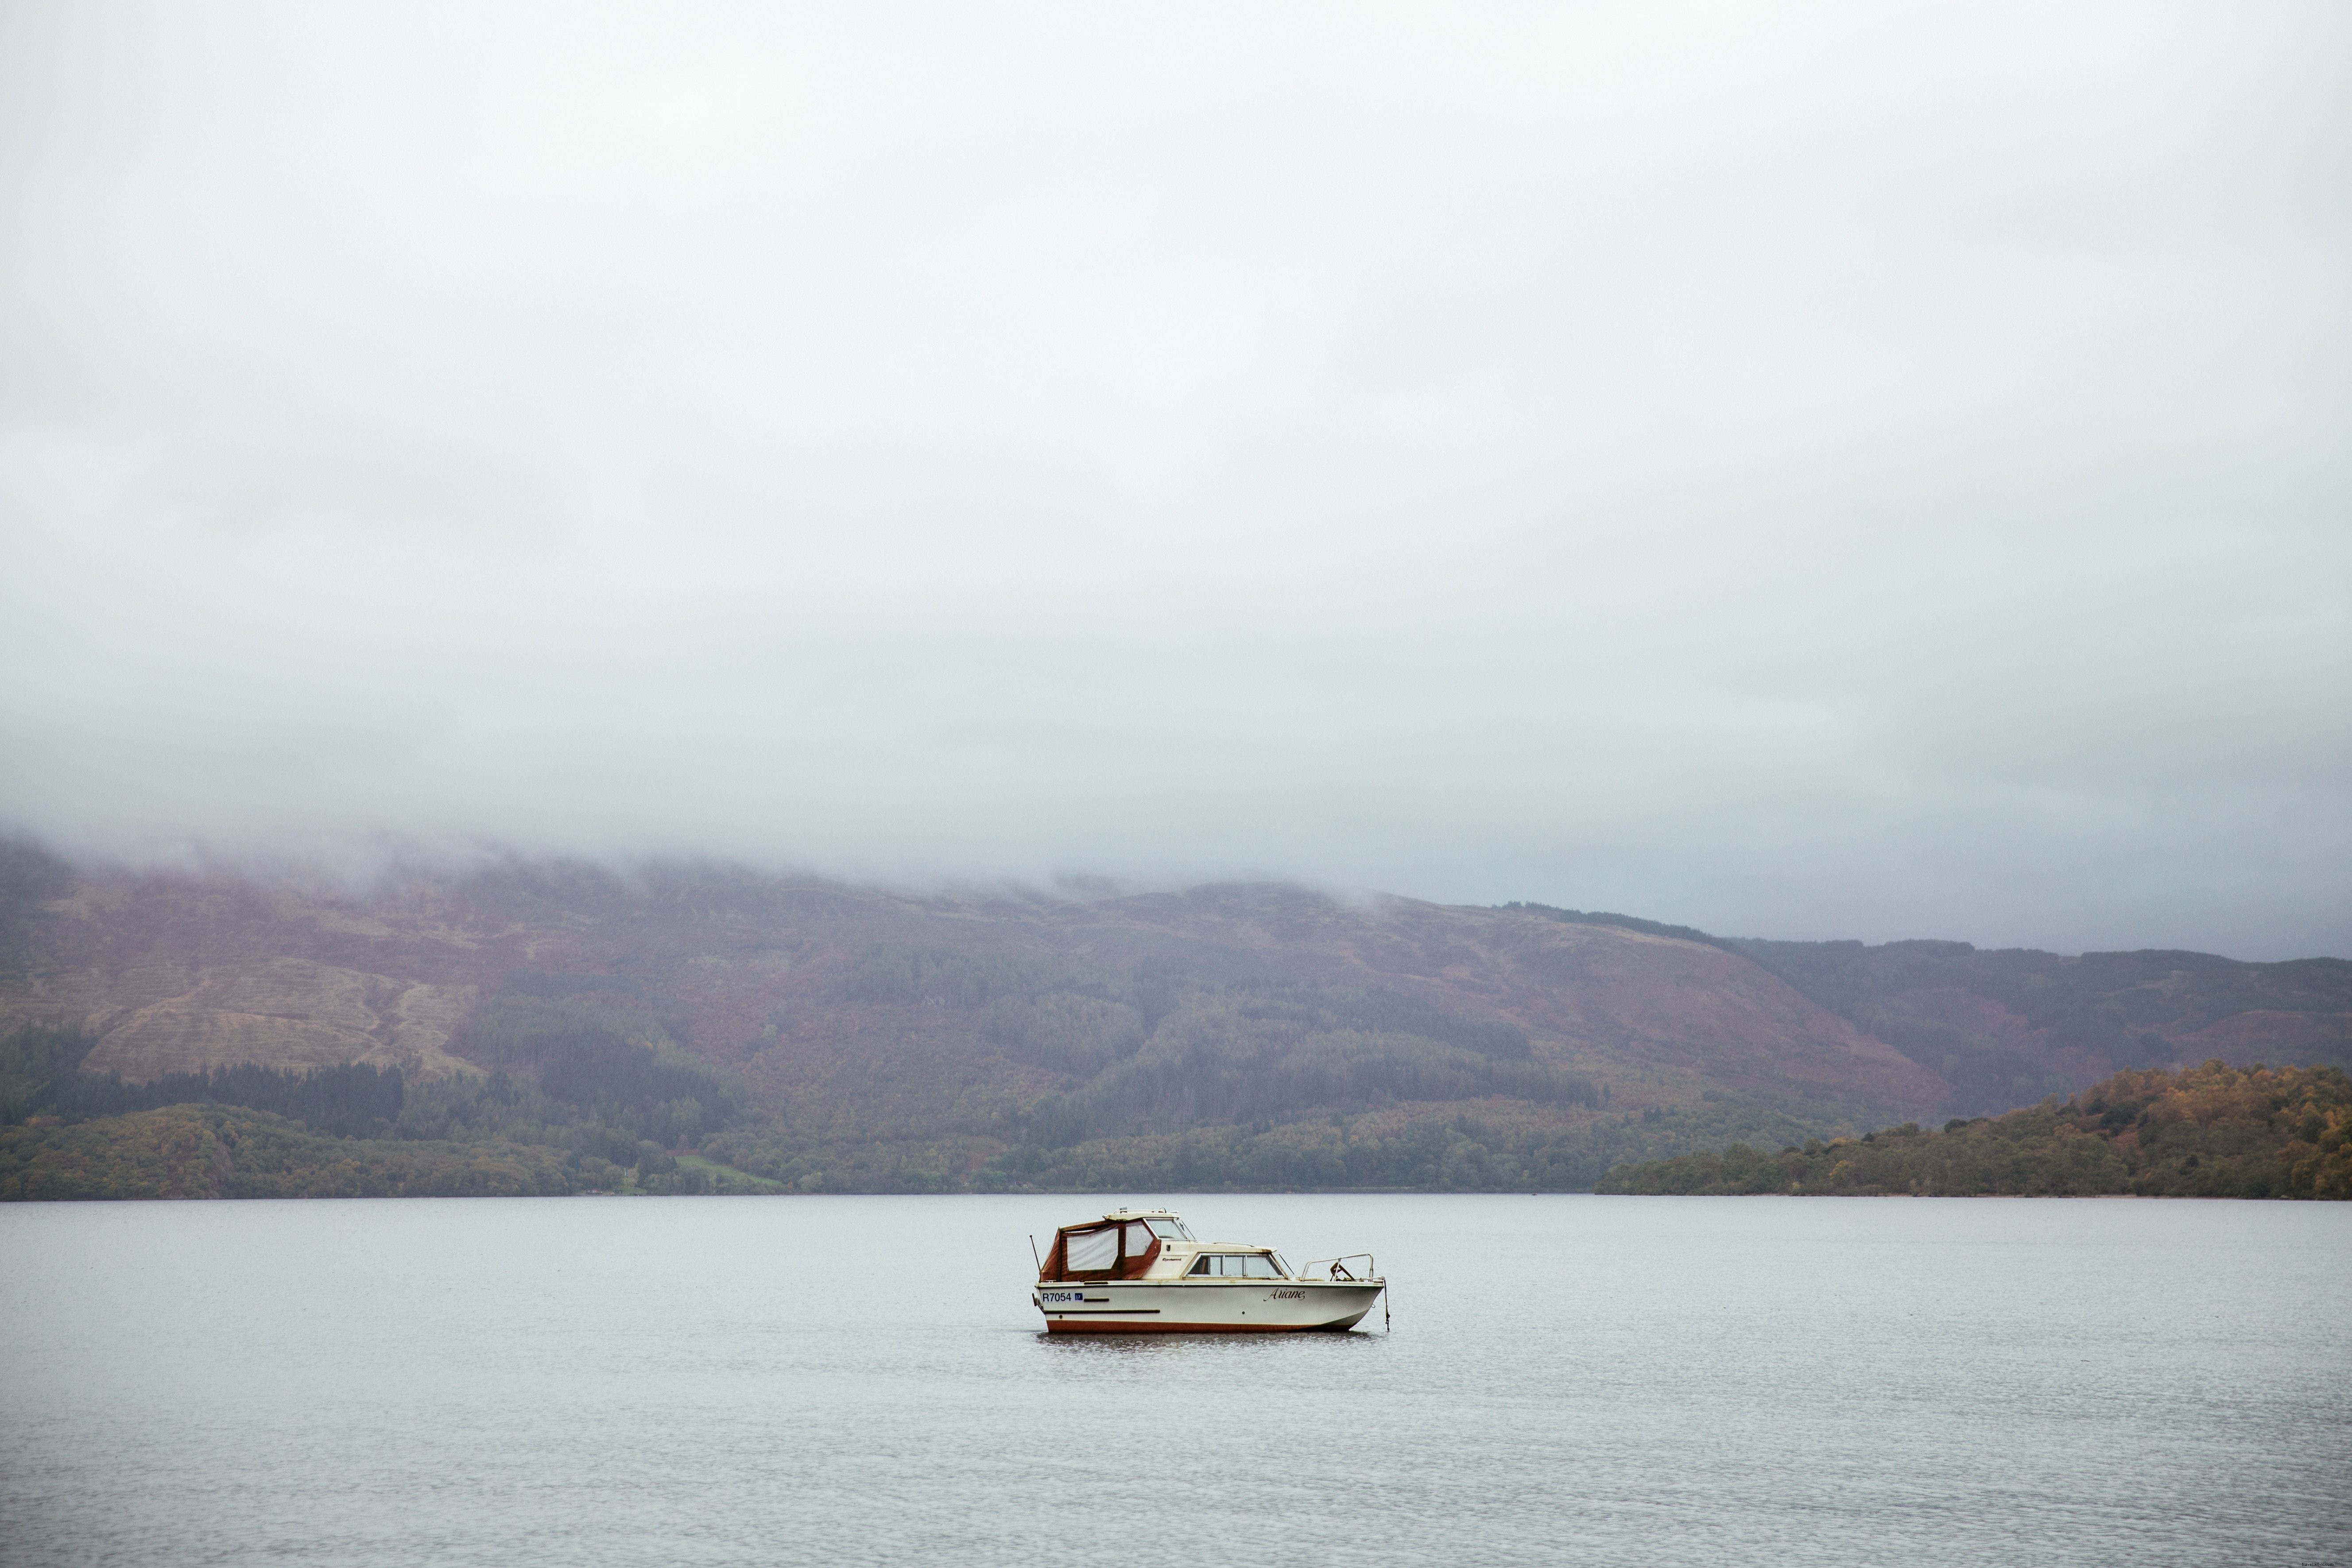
829,1036
2005,1026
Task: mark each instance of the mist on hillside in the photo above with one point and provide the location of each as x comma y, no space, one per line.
1813,472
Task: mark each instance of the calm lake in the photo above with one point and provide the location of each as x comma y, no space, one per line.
1577,1379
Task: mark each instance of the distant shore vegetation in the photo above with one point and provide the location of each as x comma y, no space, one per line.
2211,1131
586,1094
604,1114
589,1095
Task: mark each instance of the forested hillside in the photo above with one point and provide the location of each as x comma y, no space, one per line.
2212,1131
824,1037
212,1151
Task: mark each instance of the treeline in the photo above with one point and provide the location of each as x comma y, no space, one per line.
604,1055
1462,1152
534,1018
602,1111
1456,1154
505,1109
592,1092
224,1151
846,1165
2209,1131
40,1075
353,1101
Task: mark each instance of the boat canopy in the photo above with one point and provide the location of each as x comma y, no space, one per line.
1120,1246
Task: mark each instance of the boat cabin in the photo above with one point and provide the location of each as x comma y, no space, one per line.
1137,1244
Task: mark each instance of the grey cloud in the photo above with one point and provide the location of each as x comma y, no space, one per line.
1808,471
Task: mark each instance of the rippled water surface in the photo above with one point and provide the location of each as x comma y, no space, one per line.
689,1381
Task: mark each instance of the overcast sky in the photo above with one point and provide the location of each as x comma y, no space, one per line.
1803,470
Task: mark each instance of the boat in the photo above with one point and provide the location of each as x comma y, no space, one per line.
1142,1272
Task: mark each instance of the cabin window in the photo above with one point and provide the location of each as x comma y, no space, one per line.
1236,1266
1168,1229
1089,1249
1139,1240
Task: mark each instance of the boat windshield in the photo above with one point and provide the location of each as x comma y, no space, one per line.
1168,1229
1236,1266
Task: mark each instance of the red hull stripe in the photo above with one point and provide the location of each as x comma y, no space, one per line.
1057,1326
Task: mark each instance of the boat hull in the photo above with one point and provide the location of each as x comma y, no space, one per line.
1204,1306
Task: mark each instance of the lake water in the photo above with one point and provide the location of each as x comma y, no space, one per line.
1571,1379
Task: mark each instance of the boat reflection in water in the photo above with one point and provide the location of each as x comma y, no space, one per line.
1141,1271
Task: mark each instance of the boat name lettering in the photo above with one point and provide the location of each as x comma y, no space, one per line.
1290,1295
1065,1295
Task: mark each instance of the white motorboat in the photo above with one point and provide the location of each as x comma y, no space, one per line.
1141,1271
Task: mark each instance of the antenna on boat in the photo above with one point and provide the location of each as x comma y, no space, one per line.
1032,1252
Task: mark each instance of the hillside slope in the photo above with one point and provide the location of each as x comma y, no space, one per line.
834,1036
2008,1027
2211,1131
